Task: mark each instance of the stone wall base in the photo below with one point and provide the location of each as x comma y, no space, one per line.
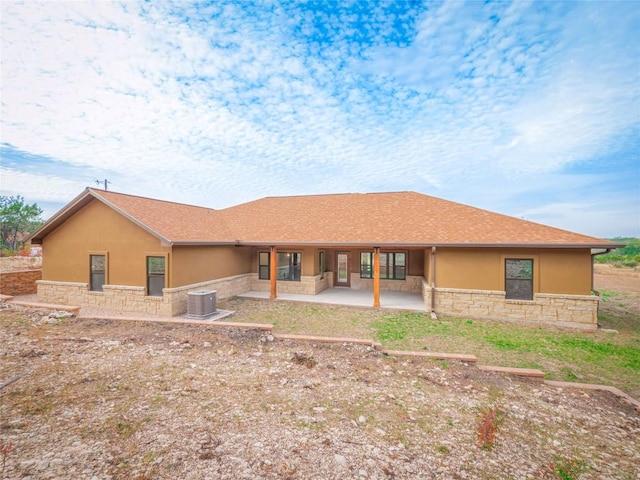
411,284
131,299
21,282
308,285
225,287
572,311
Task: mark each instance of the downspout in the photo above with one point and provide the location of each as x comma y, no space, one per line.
432,277
593,255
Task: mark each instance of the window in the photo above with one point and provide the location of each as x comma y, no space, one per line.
263,265
155,276
289,266
98,272
518,278
366,264
321,263
392,265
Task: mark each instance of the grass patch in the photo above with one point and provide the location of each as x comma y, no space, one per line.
397,327
567,468
594,357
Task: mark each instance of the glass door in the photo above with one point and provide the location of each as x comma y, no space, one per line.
342,270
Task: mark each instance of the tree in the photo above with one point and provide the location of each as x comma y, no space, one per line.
16,220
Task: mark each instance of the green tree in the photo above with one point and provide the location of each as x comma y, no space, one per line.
17,219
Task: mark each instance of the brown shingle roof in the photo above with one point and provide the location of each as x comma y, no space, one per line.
175,222
374,219
385,218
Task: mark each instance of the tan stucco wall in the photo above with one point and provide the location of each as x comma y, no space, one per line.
562,271
197,264
97,229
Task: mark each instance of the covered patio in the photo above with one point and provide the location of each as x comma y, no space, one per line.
351,297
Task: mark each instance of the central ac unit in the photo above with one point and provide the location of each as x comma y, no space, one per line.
201,304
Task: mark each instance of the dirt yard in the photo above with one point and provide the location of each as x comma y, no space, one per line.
102,399
621,283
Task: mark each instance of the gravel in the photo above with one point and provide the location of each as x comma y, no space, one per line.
125,400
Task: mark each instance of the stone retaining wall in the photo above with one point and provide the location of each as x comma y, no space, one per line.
22,282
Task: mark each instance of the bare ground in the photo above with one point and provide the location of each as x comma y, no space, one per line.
126,400
620,286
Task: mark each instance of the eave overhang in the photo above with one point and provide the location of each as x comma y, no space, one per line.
287,243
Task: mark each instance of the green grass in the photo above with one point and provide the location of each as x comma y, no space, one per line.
587,357
564,355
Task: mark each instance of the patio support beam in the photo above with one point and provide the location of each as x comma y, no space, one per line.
273,264
376,276
432,278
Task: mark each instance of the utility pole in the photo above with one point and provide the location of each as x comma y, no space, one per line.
105,181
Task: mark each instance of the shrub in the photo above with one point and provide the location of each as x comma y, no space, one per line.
487,427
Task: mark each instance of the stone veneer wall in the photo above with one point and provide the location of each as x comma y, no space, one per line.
22,282
225,288
129,299
410,284
308,285
425,289
573,311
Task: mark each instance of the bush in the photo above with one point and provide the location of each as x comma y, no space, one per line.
628,256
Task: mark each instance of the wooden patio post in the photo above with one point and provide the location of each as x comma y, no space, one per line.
273,264
376,276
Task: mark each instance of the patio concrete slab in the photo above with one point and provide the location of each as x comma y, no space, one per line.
351,297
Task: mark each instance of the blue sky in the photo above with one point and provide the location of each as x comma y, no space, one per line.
531,109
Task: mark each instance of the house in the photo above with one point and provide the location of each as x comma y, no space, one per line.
137,254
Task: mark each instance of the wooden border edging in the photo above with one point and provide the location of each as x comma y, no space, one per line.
591,386
46,306
314,338
521,372
183,321
462,357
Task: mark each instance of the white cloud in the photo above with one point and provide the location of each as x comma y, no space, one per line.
48,188
235,104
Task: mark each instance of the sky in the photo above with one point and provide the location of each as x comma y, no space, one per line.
531,109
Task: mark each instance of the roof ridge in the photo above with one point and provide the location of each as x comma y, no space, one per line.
336,194
111,192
